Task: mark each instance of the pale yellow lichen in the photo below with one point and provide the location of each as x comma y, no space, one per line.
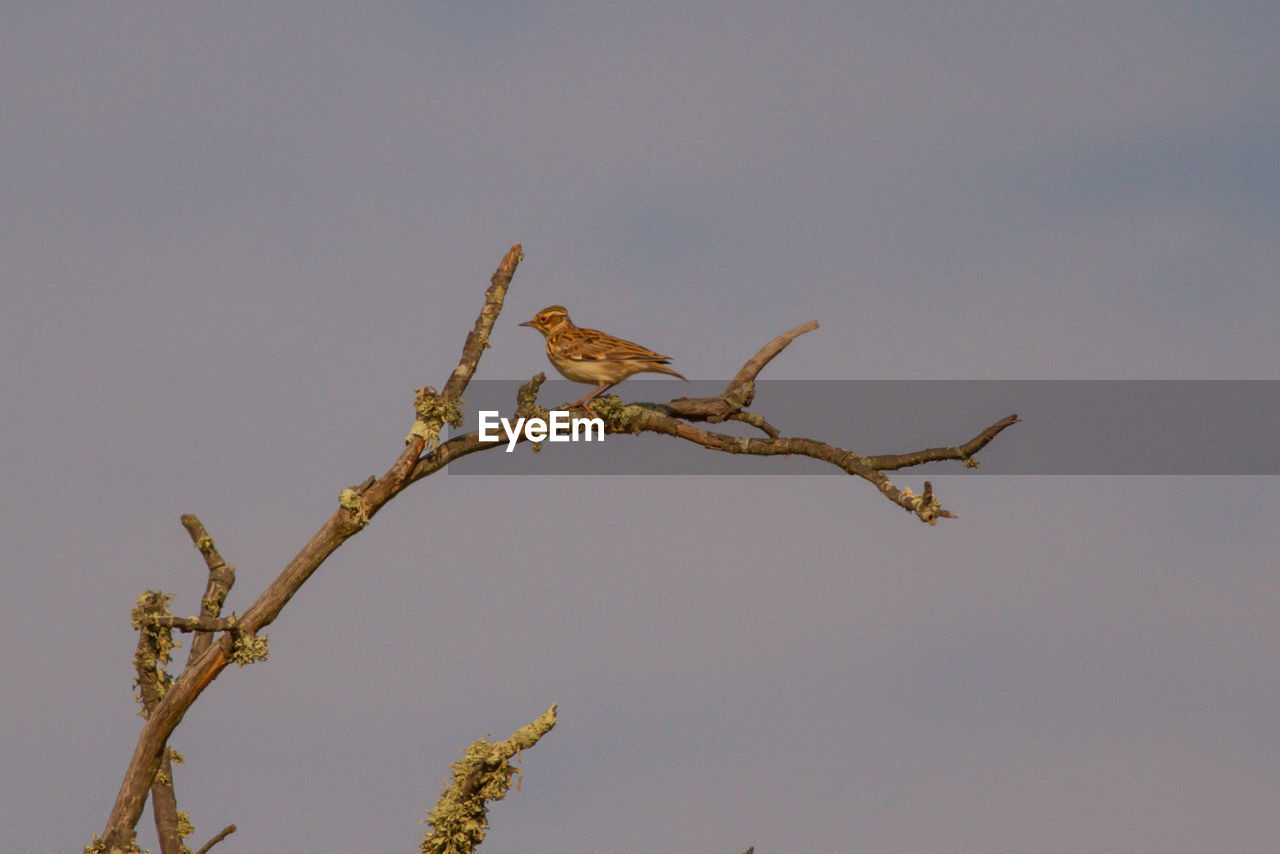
483,774
350,500
248,648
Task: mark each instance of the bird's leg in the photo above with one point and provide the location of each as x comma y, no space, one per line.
598,391
586,397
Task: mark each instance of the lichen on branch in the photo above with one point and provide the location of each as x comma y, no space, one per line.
483,774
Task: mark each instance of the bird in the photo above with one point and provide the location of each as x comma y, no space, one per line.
592,356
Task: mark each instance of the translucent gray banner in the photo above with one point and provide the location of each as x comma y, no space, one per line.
1182,427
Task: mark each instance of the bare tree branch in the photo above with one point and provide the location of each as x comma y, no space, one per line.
155,641
222,576
756,363
155,644
355,510
964,453
637,418
223,834
673,419
741,390
193,624
435,409
757,421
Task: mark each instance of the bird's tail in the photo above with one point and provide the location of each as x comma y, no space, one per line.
663,369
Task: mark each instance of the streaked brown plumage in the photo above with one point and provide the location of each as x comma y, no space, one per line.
592,356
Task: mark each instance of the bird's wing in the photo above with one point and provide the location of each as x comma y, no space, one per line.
592,345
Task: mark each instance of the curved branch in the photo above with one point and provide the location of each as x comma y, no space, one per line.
222,576
741,390
674,419
766,353
435,409
346,522
638,418
223,834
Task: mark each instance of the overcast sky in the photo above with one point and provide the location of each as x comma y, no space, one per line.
237,237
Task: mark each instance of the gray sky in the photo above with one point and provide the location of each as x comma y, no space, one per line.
236,239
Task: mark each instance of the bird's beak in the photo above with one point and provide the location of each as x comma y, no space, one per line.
527,323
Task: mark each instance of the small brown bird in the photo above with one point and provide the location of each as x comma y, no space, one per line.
592,356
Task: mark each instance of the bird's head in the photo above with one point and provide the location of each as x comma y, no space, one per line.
549,319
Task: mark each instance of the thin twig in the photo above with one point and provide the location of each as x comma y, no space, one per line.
435,407
756,363
193,624
222,576
223,834
740,391
756,421
965,452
